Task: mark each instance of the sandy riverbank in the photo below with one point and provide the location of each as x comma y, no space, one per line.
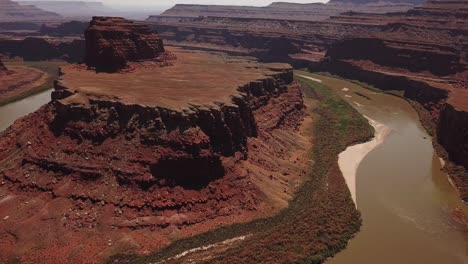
350,159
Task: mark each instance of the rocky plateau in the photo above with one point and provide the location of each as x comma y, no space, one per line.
133,160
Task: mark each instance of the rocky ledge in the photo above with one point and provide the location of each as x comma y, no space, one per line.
112,42
133,160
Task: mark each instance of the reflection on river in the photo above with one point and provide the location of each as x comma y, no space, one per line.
405,200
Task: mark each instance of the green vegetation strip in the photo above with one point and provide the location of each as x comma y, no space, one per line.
49,67
320,219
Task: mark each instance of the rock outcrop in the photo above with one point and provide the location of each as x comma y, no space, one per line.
112,42
12,11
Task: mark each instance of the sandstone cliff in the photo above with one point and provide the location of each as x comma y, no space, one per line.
113,42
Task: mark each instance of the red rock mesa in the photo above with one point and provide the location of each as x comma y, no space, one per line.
112,42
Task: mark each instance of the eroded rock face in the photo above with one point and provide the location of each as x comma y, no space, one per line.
36,49
435,58
112,42
452,135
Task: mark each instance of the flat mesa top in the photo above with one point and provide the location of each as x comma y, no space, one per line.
196,78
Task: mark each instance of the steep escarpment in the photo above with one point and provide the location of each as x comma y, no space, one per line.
12,11
452,134
112,42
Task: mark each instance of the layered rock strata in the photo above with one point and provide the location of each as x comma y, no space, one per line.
112,42
282,10
37,49
101,163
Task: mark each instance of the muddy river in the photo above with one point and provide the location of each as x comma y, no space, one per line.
405,199
10,112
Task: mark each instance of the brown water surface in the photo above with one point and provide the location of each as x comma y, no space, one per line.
10,112
405,199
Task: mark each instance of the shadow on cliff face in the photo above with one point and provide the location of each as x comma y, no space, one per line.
189,173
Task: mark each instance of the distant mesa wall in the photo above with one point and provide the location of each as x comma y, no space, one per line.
71,8
70,28
36,49
414,2
289,11
112,42
408,54
12,11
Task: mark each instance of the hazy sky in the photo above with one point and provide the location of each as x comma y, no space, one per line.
217,2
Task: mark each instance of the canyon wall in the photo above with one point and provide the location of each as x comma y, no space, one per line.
35,48
452,134
280,10
414,56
